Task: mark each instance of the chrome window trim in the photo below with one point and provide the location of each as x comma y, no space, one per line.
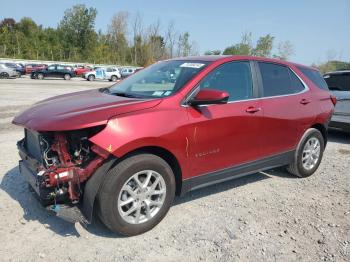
306,89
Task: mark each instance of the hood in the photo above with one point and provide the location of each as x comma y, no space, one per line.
78,110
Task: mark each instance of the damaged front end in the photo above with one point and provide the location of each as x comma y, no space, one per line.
57,166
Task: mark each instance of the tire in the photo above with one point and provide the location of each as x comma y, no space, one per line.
91,78
113,191
67,77
4,75
301,167
40,76
114,78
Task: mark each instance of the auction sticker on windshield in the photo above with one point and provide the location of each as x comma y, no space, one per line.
192,65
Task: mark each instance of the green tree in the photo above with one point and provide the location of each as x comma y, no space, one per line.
263,46
77,31
245,47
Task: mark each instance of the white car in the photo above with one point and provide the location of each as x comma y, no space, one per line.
104,73
125,72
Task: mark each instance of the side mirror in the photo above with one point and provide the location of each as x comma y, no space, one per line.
209,97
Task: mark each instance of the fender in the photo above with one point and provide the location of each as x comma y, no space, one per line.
127,133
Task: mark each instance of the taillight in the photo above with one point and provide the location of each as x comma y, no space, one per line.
334,99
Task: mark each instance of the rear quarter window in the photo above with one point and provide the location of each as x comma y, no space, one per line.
315,77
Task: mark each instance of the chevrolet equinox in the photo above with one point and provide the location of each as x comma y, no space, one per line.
125,151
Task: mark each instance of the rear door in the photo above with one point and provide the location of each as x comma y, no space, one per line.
226,135
287,108
60,71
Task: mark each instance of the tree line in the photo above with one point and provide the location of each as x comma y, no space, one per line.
128,40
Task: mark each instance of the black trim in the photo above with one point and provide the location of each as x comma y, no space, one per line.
92,187
237,171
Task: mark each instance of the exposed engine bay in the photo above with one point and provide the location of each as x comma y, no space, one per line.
60,162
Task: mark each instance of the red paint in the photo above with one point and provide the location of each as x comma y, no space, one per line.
202,139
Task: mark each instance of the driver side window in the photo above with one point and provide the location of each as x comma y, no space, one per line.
234,77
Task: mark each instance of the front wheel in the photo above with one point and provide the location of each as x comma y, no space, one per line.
136,194
4,75
308,155
114,78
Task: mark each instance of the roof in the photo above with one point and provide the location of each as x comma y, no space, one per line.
213,58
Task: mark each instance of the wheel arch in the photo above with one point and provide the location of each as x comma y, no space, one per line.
93,185
323,129
167,156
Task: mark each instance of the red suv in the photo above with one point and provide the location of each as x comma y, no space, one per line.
173,127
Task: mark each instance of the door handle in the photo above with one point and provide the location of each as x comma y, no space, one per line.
253,109
304,101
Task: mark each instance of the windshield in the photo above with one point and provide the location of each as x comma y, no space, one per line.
162,79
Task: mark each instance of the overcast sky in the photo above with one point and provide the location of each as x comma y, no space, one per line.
318,29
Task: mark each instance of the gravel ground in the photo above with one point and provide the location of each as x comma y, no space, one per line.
269,216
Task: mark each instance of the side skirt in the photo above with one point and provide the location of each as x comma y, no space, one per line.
219,176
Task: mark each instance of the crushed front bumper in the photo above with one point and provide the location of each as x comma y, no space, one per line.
29,169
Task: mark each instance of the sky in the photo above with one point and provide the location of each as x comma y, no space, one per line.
318,29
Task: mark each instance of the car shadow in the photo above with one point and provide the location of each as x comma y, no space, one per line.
18,189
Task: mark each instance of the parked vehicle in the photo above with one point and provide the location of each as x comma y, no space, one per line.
81,70
7,72
53,71
339,84
125,72
17,67
128,149
108,73
29,68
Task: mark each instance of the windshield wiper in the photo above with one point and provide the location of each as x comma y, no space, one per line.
105,90
123,94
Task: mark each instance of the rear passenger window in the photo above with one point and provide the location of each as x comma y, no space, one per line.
279,80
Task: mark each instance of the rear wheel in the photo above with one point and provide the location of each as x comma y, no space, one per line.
4,75
136,194
67,77
40,76
91,78
308,155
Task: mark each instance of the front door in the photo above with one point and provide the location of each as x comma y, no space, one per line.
223,136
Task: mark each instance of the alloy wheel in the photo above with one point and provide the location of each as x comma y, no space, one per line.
311,153
141,197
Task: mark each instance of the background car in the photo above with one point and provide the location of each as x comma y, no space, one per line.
17,67
29,68
7,72
107,73
339,84
81,70
125,72
56,71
